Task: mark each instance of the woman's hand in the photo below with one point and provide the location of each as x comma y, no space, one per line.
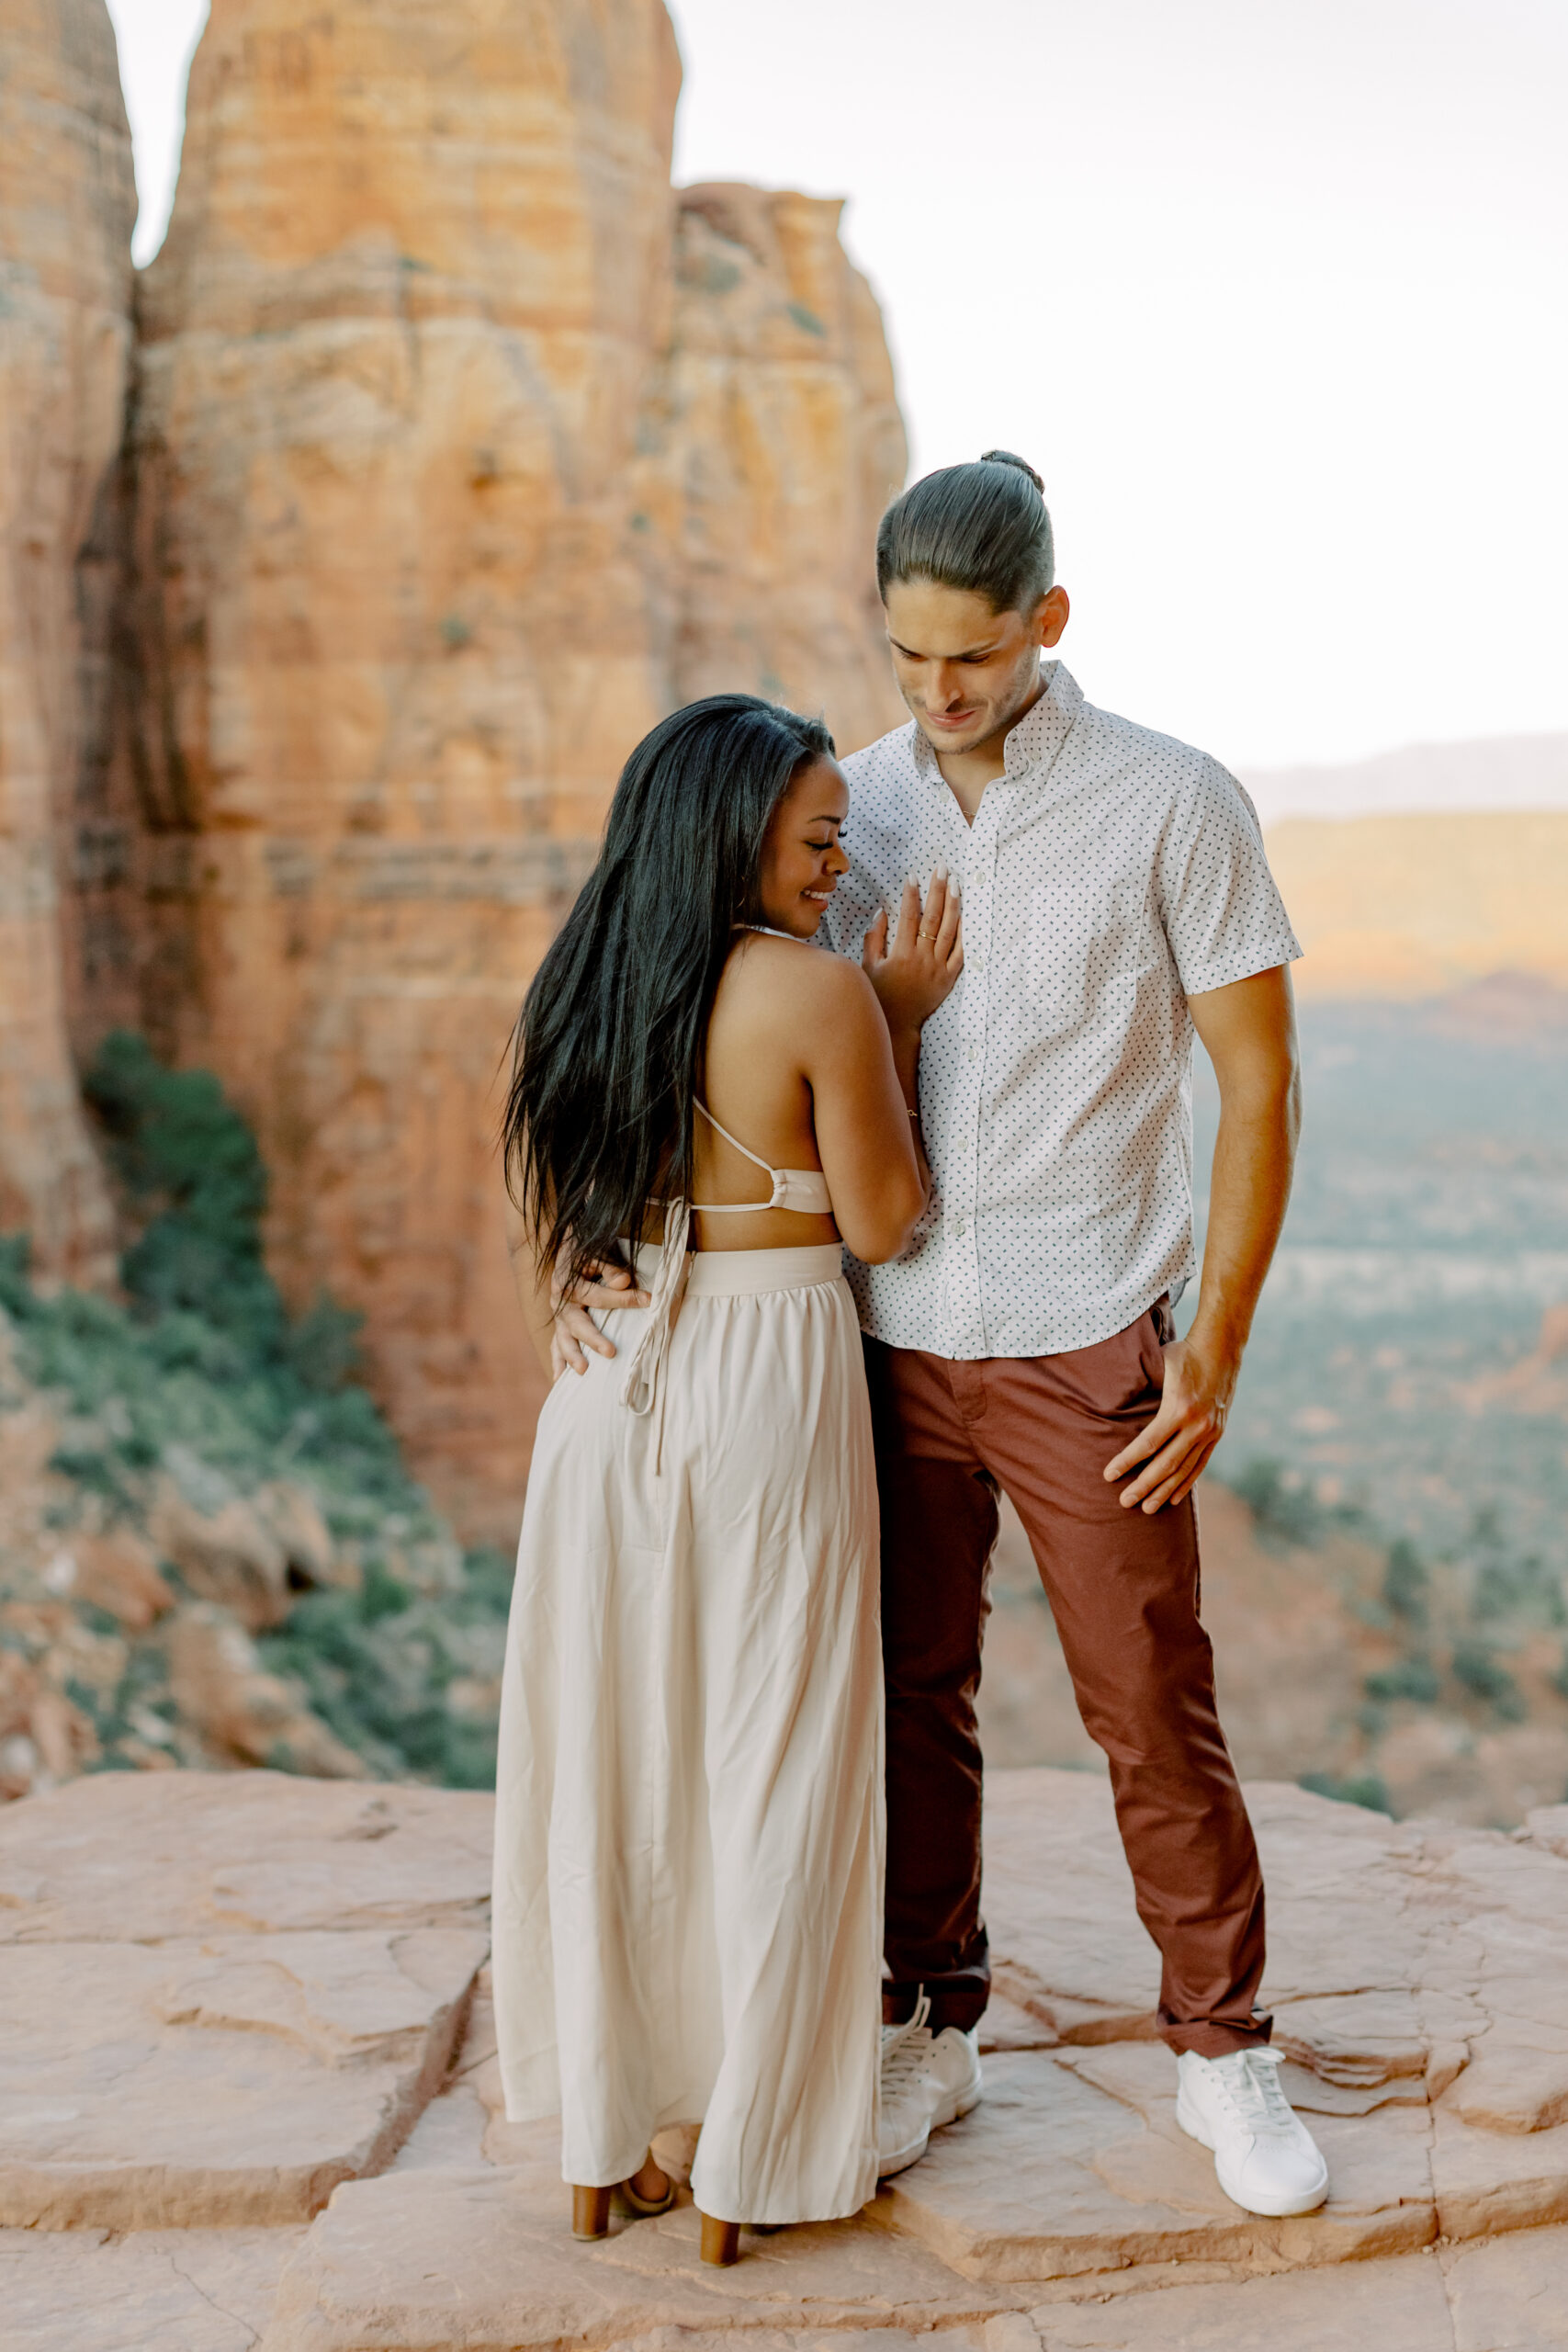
918,968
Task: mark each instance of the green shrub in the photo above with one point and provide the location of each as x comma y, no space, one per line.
1411,1678
1363,1789
1517,1588
1283,1508
377,1665
201,1369
1405,1582
16,1290
1486,1679
190,1166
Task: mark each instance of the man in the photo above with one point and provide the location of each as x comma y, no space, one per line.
1116,897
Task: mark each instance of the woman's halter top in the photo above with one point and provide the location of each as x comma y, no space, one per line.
803,1189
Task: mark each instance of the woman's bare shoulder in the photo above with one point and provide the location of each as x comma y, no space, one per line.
798,974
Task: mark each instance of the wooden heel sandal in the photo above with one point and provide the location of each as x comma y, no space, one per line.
589,2212
632,2202
720,2242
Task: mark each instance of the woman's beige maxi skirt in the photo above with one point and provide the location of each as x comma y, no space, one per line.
689,1832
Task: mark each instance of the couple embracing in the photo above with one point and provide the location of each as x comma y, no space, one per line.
825,1250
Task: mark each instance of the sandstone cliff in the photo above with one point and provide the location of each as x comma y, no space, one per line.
67,201
772,442
452,465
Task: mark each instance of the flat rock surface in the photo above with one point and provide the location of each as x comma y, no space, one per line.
252,1999
1395,2306
134,1858
1075,2166
238,2079
1510,2294
220,1994
159,2291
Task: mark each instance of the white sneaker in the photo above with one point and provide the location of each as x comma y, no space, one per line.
1264,2157
928,2079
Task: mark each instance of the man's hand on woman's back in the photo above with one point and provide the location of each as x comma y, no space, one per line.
574,1328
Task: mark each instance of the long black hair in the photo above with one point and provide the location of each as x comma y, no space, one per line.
608,1046
984,527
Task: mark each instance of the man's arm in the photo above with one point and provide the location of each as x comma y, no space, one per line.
1249,1032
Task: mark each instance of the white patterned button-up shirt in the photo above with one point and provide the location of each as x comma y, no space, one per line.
1110,873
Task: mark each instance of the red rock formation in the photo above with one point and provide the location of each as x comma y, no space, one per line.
67,201
445,483
393,622
774,442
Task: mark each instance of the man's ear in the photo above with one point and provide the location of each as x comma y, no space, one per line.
1050,617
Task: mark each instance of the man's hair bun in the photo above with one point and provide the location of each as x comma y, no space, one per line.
1006,458
974,527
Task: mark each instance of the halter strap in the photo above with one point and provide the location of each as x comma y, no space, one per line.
756,1161
802,1188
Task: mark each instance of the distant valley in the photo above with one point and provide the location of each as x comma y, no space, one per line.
1385,1573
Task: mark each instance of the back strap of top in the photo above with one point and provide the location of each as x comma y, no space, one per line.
794,1188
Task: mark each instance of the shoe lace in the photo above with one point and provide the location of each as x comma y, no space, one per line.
1251,2082
905,2047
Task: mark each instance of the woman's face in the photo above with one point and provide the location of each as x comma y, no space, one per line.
801,859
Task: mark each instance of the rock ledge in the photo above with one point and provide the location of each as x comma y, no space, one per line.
247,2063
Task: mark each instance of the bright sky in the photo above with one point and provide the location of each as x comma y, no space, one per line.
1270,291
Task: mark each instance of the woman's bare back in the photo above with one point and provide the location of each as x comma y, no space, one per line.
768,1000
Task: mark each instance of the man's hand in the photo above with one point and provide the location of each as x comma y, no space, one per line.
573,1328
1190,1421
1249,1030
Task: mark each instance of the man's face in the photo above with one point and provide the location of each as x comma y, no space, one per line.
966,671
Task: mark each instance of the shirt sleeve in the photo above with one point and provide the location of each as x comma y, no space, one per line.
1220,904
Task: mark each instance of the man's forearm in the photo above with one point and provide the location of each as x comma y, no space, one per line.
1254,1160
1249,1031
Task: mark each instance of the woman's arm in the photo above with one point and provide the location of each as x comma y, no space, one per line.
862,1065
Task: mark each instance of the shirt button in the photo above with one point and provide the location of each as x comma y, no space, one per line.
961,1227
973,1052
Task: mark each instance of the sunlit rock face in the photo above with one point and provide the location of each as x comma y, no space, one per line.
771,443
67,202
393,638
452,464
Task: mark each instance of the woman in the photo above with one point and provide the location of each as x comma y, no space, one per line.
688,1878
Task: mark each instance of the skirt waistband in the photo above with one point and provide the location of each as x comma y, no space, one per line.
742,1273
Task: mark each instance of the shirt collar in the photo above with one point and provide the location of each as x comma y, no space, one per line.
1032,746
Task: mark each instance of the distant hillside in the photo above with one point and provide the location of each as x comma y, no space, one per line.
1495,773
1416,905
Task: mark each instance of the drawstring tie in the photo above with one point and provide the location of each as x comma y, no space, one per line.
644,1385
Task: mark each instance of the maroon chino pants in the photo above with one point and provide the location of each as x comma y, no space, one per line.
1123,1591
